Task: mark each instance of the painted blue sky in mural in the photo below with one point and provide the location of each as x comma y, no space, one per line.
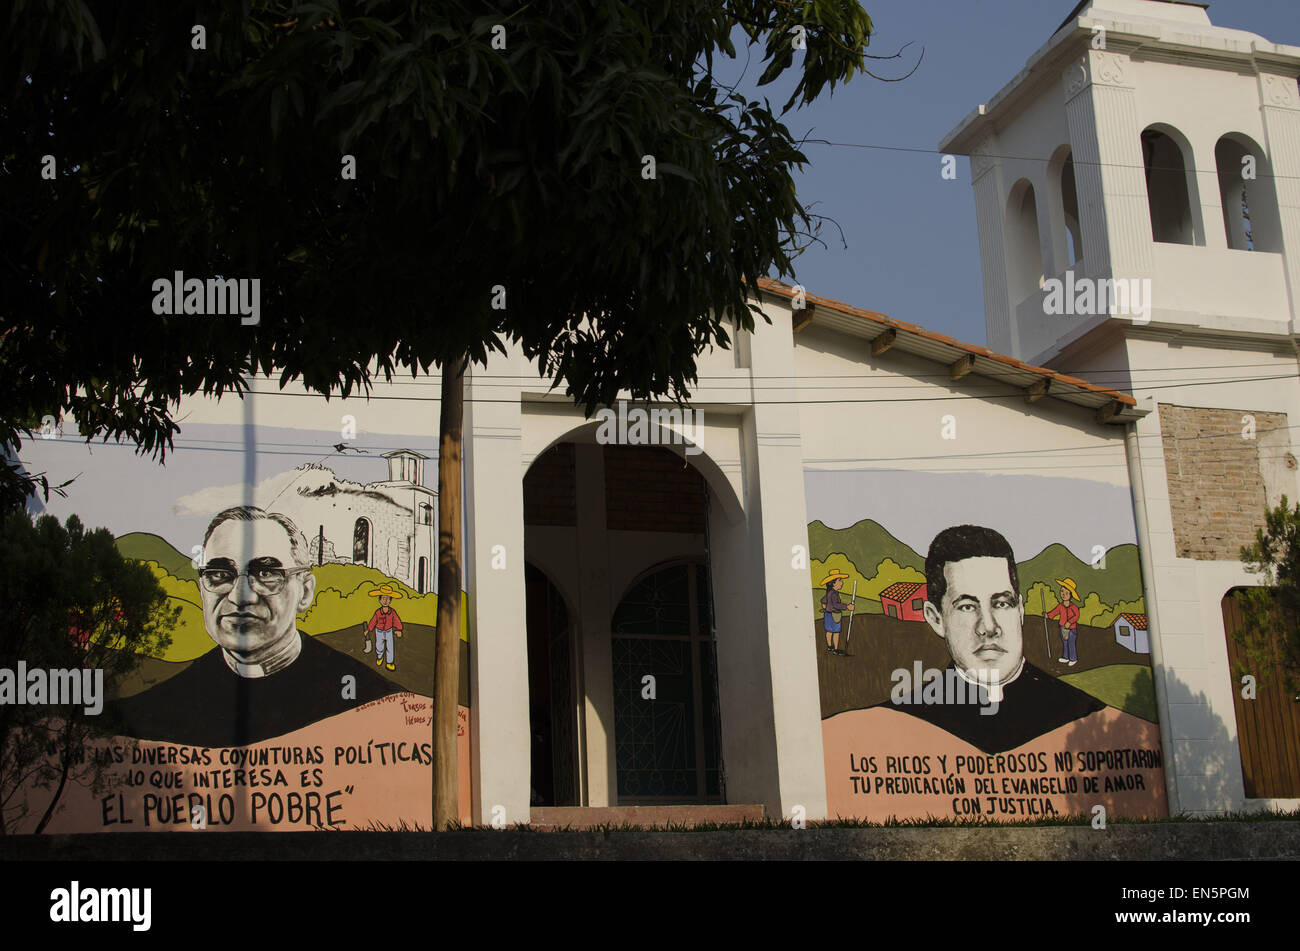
1032,512
125,492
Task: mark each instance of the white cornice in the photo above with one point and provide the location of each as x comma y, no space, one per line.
1210,48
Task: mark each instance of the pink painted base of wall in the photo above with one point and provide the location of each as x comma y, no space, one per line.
854,739
387,784
579,817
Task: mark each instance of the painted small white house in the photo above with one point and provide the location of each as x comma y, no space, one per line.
1131,631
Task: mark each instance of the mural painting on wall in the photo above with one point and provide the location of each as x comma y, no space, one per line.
959,681
296,692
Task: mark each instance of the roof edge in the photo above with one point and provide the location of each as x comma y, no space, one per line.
885,322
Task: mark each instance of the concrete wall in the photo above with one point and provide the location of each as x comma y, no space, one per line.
1186,613
749,455
1159,70
1217,314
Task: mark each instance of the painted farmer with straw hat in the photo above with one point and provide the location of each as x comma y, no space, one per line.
831,606
385,623
1067,615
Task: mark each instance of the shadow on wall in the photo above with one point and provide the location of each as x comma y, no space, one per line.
1208,768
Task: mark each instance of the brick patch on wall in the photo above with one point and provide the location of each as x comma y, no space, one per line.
649,489
1216,488
549,494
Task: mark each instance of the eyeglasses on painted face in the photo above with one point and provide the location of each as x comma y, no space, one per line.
265,579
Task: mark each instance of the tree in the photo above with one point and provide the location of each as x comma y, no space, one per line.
1040,598
1270,629
1093,609
1108,617
72,602
411,184
889,572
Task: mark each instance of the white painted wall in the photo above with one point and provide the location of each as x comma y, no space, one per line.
1167,65
905,429
1204,753
750,456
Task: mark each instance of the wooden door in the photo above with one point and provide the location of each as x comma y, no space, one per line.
1268,727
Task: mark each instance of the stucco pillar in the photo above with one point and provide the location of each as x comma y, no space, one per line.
594,616
990,205
1205,169
1106,143
779,523
1280,107
498,638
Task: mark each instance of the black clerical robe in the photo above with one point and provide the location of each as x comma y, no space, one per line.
1033,704
208,704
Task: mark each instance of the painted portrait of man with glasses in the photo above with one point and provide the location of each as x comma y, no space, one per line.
264,678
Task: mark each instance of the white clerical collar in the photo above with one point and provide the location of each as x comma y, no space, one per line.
272,664
994,690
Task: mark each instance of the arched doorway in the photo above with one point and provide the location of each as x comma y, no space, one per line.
1250,212
552,694
1169,188
1024,250
667,728
602,524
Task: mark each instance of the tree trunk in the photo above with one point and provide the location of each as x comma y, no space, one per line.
446,660
58,794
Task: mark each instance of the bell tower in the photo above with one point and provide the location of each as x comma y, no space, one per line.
1143,167
1137,188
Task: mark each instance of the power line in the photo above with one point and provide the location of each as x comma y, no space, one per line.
1035,158
1047,451
867,383
1109,450
944,374
814,402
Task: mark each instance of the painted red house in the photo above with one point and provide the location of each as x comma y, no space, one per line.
904,600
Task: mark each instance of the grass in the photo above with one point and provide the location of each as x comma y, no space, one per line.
1126,686
776,825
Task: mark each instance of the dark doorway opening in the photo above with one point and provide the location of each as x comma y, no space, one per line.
552,694
667,729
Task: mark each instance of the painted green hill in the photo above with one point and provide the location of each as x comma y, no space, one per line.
145,546
1126,686
1120,580
866,544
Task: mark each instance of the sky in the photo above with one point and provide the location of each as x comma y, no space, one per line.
207,471
913,248
934,501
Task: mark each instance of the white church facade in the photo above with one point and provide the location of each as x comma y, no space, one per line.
1144,144
652,626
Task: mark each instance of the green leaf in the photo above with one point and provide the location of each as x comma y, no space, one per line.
676,170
